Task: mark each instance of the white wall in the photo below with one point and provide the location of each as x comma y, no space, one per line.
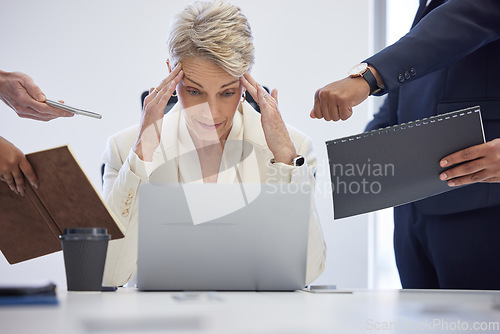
101,55
400,14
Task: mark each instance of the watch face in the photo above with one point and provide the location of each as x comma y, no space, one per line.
358,70
299,161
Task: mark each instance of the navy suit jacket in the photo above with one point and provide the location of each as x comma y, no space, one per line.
449,60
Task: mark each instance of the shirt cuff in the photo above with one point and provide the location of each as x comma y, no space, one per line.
282,172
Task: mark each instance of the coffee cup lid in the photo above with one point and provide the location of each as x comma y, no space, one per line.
85,233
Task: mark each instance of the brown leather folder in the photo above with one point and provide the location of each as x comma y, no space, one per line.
30,225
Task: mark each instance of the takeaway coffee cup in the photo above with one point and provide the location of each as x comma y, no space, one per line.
84,251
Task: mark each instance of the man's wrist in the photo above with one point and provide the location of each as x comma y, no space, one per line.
370,75
377,76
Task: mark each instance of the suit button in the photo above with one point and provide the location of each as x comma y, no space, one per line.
128,201
125,213
413,72
130,194
407,75
401,78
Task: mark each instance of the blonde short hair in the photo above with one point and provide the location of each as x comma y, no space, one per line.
216,31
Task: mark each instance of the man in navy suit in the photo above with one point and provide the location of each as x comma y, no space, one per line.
449,60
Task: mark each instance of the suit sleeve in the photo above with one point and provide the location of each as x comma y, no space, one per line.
316,252
387,114
120,188
445,35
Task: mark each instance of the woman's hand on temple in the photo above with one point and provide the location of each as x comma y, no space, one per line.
277,137
152,115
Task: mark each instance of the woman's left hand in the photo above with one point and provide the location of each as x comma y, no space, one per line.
480,163
277,137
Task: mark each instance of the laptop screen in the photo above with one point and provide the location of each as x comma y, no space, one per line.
223,237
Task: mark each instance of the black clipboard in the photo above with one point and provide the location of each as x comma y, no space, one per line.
398,164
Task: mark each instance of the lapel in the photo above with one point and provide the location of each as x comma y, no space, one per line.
255,150
240,151
189,166
233,152
250,137
166,156
423,10
420,12
433,5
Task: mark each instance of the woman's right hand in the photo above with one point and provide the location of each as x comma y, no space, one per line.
152,115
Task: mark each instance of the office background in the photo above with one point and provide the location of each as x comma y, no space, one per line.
101,55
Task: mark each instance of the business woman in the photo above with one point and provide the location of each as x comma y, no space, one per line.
211,54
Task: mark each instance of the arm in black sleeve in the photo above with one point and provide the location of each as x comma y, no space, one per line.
387,114
448,33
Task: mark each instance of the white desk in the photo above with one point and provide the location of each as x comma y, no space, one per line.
131,311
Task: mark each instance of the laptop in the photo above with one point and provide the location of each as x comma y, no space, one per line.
223,237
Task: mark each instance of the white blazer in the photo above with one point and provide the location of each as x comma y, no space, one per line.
124,172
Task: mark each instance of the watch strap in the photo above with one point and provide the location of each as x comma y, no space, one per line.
297,161
372,82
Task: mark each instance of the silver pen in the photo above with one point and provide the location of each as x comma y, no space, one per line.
71,109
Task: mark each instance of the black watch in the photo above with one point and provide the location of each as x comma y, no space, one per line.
297,161
363,70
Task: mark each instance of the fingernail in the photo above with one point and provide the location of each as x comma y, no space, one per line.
41,98
444,163
451,184
34,185
443,176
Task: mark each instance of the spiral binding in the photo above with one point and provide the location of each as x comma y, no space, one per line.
408,125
